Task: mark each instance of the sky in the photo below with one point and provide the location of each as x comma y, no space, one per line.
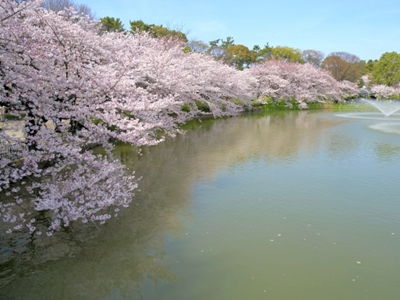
365,28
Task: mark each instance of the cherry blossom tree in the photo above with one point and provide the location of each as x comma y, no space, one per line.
366,79
384,91
73,90
283,80
348,89
381,90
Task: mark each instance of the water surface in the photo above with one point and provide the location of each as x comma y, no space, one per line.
287,205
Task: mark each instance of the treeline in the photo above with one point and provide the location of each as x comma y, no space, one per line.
341,65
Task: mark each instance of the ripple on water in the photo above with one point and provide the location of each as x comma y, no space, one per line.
369,116
387,127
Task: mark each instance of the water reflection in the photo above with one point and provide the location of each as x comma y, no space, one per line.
116,261
93,264
126,256
387,152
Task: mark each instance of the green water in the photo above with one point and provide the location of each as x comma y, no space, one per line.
281,205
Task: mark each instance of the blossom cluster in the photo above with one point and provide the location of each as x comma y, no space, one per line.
384,91
283,80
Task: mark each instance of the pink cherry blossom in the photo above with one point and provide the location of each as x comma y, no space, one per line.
282,80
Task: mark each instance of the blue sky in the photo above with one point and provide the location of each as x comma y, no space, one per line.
364,28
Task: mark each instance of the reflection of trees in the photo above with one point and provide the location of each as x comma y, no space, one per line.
338,145
387,151
115,261
88,263
92,263
221,143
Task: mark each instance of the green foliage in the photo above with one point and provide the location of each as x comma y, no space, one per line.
156,31
13,117
351,106
127,114
221,43
238,101
185,107
369,66
103,123
228,42
387,69
281,102
98,121
267,99
269,104
278,106
202,106
140,26
240,56
160,31
264,53
315,105
360,83
262,101
111,24
187,49
214,43
287,54
361,66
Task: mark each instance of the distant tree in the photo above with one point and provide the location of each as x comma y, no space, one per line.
288,81
157,31
59,5
228,42
286,54
343,66
161,31
231,54
369,66
313,57
366,80
111,24
198,46
240,56
256,48
362,67
214,43
387,69
215,49
361,82
263,53
140,26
